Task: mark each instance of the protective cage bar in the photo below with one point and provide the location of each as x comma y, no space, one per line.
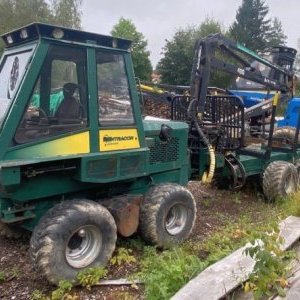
223,119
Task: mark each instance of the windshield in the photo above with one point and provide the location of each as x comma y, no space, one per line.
12,71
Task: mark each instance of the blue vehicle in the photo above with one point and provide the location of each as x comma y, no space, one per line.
256,96
292,113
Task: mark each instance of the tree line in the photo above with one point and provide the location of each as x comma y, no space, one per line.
252,27
16,13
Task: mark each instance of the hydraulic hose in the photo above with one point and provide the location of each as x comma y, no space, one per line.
207,177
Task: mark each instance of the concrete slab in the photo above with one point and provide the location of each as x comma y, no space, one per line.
227,274
290,231
293,293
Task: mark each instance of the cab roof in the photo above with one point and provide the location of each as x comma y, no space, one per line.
36,31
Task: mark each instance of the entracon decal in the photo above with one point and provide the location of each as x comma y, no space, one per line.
118,139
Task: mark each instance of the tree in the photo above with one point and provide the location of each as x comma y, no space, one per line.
140,55
67,13
297,68
251,26
16,13
297,60
176,65
254,29
277,36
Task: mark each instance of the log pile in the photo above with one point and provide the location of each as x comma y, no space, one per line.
153,107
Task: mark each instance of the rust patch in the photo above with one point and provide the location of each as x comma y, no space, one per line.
126,211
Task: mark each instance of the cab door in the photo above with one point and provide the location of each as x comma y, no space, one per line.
120,132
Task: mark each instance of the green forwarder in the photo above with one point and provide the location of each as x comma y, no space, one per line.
80,164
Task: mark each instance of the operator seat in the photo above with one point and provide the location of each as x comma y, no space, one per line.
70,107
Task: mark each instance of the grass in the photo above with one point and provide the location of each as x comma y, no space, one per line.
165,273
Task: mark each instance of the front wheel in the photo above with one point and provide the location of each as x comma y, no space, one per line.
167,215
73,235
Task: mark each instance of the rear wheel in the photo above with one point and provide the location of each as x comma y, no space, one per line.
167,215
71,236
280,179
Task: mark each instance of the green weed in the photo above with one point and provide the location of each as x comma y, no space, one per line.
61,293
8,274
63,290
133,243
270,270
206,202
123,256
291,205
165,273
237,198
2,276
38,295
89,277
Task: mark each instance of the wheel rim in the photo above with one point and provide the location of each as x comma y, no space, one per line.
176,219
84,246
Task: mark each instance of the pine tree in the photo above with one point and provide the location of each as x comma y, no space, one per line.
276,36
252,27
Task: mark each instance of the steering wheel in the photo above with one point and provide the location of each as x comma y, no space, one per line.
35,115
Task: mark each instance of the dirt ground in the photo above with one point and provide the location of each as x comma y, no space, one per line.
214,208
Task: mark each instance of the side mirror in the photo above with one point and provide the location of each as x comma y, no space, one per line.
165,132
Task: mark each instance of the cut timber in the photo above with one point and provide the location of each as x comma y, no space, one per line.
121,281
227,274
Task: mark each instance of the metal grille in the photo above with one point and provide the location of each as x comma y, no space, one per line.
223,116
227,113
164,151
179,108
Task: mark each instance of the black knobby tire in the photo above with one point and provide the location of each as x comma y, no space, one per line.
280,179
286,133
167,215
73,235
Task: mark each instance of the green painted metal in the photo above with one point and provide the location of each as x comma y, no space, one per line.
256,166
135,99
93,100
40,181
16,110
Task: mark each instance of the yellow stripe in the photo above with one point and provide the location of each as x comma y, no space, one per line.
70,145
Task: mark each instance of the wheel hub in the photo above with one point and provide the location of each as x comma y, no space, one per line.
84,246
176,219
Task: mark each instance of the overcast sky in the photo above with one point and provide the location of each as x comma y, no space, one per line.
159,19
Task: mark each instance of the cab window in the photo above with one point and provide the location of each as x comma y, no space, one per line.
58,102
114,99
12,69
